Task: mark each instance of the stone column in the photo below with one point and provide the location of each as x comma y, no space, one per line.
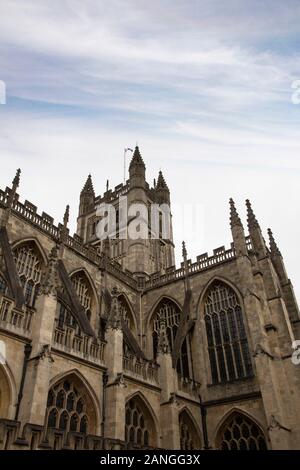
114,427
36,385
169,422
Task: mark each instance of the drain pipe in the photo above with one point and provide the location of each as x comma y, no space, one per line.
104,382
27,352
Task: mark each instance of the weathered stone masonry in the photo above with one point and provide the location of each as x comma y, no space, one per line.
108,345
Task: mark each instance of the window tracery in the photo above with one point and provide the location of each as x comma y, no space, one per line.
226,335
189,439
29,266
241,433
137,425
67,408
169,313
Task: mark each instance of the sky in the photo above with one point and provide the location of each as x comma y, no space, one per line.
203,87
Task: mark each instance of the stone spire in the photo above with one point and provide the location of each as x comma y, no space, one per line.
251,219
11,197
66,216
64,231
16,180
87,200
15,185
137,171
161,190
237,230
161,182
163,346
137,158
234,216
185,266
88,187
273,245
257,238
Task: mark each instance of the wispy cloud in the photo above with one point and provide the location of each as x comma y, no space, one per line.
205,88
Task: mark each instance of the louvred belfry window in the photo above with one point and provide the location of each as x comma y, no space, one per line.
168,312
226,335
29,266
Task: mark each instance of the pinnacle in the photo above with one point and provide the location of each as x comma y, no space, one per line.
273,245
161,182
88,187
137,158
234,216
251,219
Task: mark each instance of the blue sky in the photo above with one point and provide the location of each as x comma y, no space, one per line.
204,87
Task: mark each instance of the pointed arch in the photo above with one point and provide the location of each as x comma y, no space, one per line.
156,304
169,312
239,430
127,311
86,291
8,394
141,424
35,241
188,431
86,405
30,260
222,312
221,279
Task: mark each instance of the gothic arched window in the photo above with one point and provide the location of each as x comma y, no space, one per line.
29,266
139,426
189,439
168,312
84,292
65,319
241,433
3,285
126,313
226,335
68,407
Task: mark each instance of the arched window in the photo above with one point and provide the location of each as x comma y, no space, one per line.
168,312
241,433
84,292
3,285
5,392
29,266
69,407
139,426
189,439
226,335
126,312
65,318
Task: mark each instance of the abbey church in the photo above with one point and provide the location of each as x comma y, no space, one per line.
105,344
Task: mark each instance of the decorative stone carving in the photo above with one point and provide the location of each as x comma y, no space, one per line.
51,279
274,424
45,353
163,342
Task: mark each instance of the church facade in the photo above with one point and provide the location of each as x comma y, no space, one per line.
105,344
